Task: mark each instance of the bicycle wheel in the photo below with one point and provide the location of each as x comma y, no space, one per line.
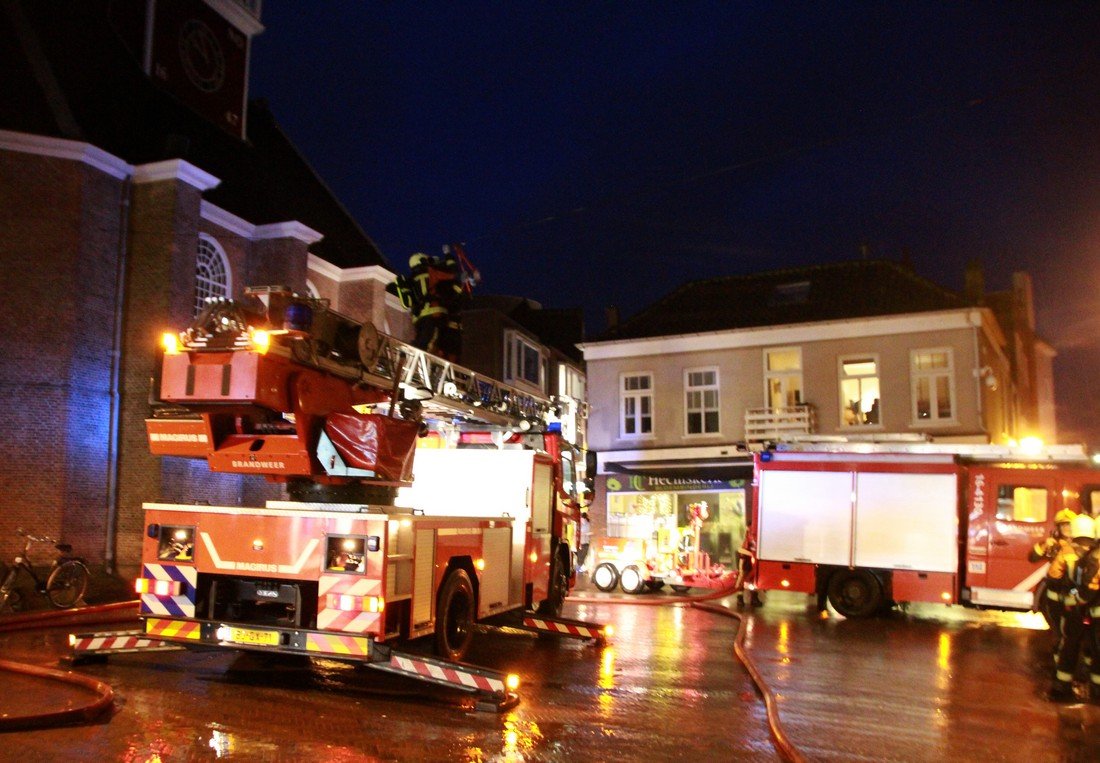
67,583
13,602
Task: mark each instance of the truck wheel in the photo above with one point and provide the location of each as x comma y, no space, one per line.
855,593
631,580
681,588
552,605
454,621
605,576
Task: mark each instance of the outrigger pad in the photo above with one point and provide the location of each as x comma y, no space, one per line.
377,443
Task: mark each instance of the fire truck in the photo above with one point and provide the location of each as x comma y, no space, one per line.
424,498
865,526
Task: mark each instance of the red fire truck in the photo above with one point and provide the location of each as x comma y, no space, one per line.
382,541
866,526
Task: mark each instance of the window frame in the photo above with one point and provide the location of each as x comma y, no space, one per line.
217,251
1048,494
915,376
514,343
717,388
637,395
769,375
842,377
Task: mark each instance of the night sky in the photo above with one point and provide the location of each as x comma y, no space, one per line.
592,154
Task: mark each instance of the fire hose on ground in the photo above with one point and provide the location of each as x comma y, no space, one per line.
124,611
782,743
104,699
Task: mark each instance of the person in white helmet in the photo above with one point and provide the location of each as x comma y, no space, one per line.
1069,578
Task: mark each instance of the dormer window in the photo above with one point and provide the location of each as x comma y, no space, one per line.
524,362
794,293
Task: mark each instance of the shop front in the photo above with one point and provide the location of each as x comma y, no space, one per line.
653,510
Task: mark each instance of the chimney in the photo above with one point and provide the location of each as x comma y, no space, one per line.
611,312
974,283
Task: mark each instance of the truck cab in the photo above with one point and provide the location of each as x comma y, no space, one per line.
1011,507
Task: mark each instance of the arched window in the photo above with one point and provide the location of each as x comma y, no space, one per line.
212,276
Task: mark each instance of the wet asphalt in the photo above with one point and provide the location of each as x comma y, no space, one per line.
932,684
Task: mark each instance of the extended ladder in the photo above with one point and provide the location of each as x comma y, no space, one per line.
361,354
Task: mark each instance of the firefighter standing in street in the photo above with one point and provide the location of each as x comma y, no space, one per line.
1048,549
1067,576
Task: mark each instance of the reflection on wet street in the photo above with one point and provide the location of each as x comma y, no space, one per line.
932,684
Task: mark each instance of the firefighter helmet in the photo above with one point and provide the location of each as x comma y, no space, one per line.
418,259
1082,527
1065,515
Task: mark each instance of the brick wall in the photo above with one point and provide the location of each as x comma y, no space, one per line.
58,259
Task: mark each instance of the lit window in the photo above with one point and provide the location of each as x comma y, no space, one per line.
701,400
933,377
636,394
783,377
859,391
212,276
523,361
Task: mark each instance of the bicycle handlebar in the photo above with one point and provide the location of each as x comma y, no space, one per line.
35,538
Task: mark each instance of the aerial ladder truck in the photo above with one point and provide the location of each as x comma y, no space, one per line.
424,498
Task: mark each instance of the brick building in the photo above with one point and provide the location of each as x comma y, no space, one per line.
136,179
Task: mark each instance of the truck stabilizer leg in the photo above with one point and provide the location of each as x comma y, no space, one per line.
562,626
489,686
87,647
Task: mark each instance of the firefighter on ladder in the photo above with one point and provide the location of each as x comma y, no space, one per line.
1078,587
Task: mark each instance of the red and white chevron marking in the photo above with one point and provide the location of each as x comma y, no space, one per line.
348,622
107,642
339,620
450,675
569,629
352,585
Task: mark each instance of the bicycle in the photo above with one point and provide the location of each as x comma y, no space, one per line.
64,585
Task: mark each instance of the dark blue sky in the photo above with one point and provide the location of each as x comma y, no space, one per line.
604,153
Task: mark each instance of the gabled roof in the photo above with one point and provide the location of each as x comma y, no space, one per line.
68,74
561,329
835,291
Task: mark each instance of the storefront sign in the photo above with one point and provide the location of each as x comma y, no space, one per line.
643,483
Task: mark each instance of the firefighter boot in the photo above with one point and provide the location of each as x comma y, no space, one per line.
1062,691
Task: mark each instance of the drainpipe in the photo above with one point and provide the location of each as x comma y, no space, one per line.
114,434
978,381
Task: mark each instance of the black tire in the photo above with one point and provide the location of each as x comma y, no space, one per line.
67,583
681,588
631,579
605,576
552,605
14,603
654,585
855,593
454,620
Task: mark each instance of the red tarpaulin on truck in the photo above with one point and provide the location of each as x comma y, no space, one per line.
377,443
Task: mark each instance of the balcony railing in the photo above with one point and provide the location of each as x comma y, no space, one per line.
773,424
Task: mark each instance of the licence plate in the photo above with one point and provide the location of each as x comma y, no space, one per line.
249,636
